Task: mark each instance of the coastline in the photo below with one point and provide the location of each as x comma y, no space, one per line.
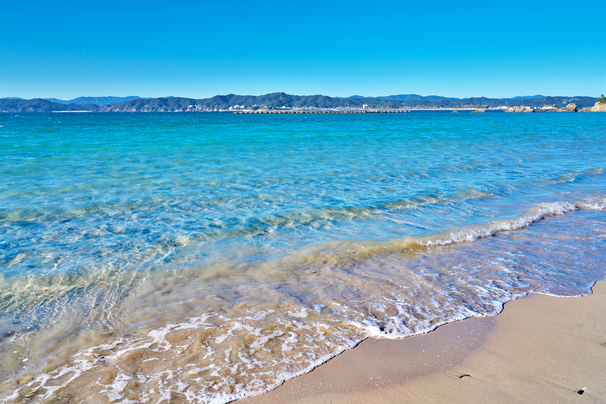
540,348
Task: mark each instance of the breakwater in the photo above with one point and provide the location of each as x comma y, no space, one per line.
357,111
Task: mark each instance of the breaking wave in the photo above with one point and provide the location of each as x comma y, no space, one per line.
220,332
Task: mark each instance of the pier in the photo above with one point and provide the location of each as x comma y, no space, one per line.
353,111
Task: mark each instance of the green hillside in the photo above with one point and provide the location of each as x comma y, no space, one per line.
283,100
40,105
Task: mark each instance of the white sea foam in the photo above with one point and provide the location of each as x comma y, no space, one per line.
532,216
280,326
114,390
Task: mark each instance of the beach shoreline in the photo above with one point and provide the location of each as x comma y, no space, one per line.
540,348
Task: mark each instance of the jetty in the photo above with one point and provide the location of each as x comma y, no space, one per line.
331,111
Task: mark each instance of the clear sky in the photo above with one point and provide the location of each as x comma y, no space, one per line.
198,49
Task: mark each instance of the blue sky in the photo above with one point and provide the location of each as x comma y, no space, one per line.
199,49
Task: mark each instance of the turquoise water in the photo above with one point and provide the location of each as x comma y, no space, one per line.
207,257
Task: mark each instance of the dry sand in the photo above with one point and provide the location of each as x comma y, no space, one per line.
540,349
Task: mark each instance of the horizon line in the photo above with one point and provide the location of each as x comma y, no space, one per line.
301,95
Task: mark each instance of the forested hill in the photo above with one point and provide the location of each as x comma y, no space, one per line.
40,105
94,100
219,102
279,100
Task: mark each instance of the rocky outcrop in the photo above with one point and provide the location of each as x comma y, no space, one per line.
479,110
599,107
520,109
569,108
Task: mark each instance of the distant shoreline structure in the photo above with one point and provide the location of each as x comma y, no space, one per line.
288,102
70,112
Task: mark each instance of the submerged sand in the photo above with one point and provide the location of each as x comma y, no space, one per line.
540,349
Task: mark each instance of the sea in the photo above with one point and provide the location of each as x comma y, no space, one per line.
207,257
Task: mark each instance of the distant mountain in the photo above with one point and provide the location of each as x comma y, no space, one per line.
11,98
352,96
528,97
94,100
402,97
279,100
40,105
283,100
218,102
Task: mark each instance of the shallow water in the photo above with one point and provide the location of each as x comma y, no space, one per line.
207,257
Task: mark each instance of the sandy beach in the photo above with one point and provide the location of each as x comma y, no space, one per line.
540,349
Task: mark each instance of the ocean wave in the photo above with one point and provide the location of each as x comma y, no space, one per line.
231,329
353,250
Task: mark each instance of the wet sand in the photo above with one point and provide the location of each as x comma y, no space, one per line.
540,349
